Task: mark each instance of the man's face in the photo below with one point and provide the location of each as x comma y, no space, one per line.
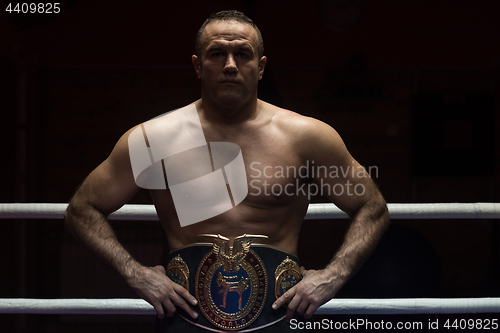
229,65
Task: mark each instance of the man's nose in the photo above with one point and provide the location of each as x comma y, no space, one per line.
230,65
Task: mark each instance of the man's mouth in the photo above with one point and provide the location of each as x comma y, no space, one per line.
231,81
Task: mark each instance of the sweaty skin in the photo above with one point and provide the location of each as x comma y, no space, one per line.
229,68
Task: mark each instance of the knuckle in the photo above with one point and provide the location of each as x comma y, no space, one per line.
310,312
287,295
171,310
317,299
164,295
299,287
312,299
293,305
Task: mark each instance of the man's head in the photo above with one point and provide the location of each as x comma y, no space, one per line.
228,59
229,16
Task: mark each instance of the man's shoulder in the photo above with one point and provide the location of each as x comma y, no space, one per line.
309,136
170,120
297,124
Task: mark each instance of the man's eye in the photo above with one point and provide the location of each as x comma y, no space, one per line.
242,55
216,54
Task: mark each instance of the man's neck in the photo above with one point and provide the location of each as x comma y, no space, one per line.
224,116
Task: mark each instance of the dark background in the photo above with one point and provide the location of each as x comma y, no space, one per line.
411,86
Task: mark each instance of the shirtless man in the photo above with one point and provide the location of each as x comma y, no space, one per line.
229,62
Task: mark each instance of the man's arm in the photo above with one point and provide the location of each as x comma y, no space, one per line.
360,199
106,189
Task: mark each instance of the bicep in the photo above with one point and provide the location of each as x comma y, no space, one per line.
342,179
111,184
350,190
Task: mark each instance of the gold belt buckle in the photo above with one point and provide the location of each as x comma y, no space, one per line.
231,282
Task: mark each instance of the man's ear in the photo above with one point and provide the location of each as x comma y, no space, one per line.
197,65
262,66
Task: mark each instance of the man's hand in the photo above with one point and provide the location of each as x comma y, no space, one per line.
157,289
315,289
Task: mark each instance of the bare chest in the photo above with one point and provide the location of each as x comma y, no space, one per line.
274,168
276,178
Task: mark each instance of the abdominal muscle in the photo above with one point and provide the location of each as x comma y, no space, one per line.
280,221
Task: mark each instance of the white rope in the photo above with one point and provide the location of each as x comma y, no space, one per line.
410,306
479,210
125,306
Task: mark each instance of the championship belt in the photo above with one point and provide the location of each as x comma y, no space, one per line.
235,285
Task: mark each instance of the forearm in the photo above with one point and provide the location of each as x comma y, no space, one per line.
91,227
367,226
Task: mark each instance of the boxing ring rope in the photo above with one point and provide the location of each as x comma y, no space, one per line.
338,306
479,210
315,211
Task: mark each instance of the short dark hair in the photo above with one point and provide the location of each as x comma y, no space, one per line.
228,15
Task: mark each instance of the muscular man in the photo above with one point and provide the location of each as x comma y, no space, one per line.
284,154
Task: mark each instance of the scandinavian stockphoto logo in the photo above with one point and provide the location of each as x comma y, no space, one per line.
205,179
331,181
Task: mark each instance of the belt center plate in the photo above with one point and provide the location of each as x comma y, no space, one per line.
231,285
